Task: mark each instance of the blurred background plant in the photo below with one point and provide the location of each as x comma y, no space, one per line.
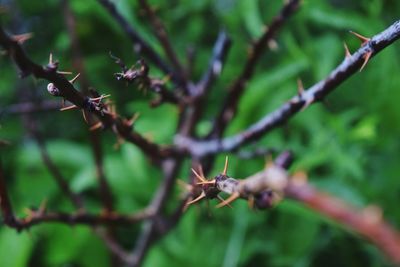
348,145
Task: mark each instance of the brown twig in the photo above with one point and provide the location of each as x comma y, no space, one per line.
229,107
299,102
367,222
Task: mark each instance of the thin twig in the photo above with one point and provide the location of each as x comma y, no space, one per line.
162,37
229,107
151,231
5,204
140,45
194,111
319,91
219,54
38,217
75,199
31,107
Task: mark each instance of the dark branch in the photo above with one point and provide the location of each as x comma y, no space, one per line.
236,90
319,91
95,138
5,204
38,217
139,73
65,89
31,107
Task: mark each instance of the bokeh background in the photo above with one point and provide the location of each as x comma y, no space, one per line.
349,145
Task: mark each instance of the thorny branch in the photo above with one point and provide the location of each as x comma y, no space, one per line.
64,88
267,187
262,190
317,92
139,73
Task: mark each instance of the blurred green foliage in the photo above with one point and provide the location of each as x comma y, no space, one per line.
349,145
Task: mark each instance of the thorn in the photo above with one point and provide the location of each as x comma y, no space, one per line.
96,126
68,108
186,206
42,207
84,116
134,118
363,39
202,195
99,98
309,101
366,57
74,79
166,79
207,182
223,200
185,186
300,87
230,199
346,50
21,38
299,178
201,178
119,142
225,167
251,202
64,72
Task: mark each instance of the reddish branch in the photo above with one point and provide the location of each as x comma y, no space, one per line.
319,91
120,126
236,90
367,223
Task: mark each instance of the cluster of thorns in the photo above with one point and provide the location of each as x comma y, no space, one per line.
259,195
